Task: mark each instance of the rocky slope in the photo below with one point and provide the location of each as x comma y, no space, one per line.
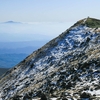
66,68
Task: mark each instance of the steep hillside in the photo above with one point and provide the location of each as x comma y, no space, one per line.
66,68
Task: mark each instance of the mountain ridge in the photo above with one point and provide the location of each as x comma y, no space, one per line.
66,68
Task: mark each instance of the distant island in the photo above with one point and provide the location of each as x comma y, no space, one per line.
12,22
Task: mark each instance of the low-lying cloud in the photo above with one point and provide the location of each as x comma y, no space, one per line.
31,31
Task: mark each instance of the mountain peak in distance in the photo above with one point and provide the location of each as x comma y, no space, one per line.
12,22
67,67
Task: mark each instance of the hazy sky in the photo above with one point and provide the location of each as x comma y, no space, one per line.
48,10
49,17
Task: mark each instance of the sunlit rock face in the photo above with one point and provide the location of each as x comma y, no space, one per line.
66,68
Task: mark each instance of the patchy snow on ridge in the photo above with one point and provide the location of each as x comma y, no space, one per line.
67,66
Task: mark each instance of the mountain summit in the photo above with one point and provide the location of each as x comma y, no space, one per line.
66,68
89,22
